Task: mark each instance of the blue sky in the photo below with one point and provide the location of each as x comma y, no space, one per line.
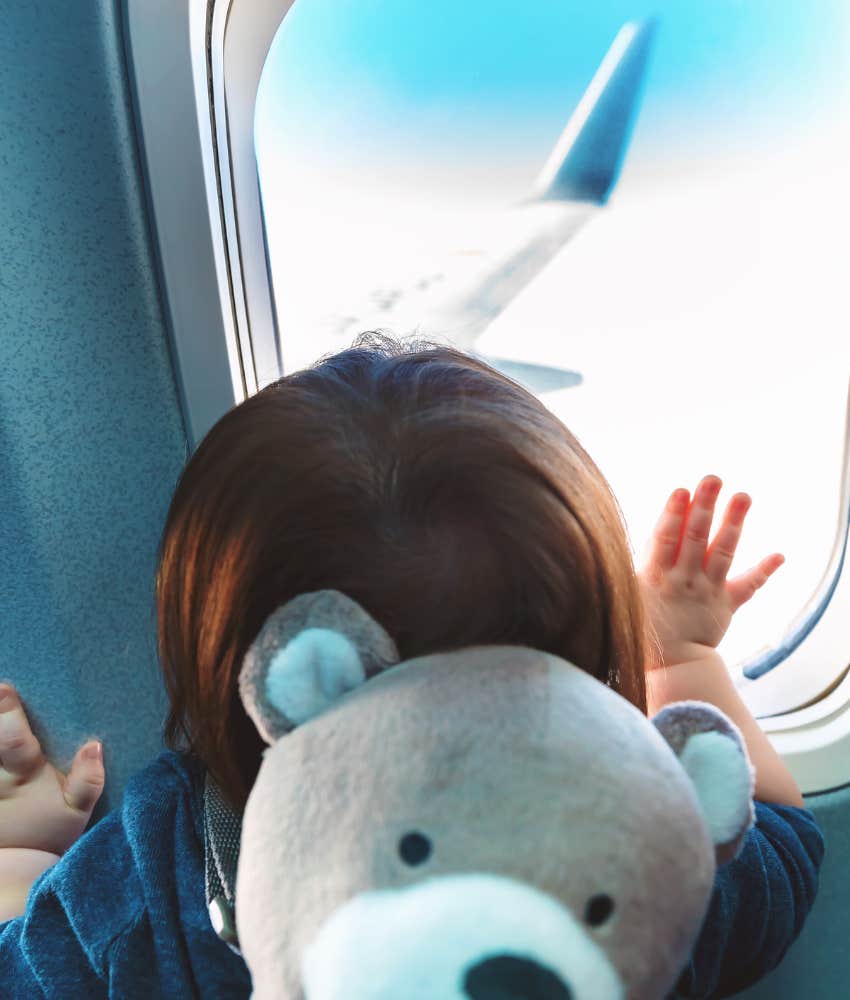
384,82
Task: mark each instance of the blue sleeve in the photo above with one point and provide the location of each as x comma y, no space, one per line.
760,902
75,910
40,954
123,913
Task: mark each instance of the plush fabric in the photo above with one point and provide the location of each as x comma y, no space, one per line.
704,741
278,692
538,792
88,932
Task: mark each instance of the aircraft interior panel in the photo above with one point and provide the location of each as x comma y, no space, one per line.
93,437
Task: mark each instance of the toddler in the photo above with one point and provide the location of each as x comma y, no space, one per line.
458,511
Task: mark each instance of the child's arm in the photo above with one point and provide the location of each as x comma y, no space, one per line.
762,897
690,604
42,812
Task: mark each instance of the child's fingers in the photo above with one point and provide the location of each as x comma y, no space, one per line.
664,544
84,784
698,526
721,552
20,752
742,588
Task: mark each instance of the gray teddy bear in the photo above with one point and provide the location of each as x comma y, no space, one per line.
489,823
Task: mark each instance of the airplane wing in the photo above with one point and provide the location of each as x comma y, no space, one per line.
461,298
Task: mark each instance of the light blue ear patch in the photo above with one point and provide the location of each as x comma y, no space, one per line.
722,779
314,669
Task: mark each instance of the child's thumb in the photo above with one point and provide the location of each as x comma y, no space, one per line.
84,784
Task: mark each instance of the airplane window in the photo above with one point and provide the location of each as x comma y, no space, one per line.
642,220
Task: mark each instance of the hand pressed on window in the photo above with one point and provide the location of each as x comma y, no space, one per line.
686,593
690,604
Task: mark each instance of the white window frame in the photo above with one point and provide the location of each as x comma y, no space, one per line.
195,71
803,703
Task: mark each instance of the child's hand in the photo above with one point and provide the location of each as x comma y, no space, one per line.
687,596
40,808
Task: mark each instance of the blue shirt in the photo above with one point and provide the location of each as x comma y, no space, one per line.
123,913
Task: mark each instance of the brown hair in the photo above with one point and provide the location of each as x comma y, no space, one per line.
437,493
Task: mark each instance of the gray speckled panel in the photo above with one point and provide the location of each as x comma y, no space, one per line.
91,436
817,966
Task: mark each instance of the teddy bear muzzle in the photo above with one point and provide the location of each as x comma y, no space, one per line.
459,937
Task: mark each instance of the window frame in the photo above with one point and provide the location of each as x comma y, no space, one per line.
195,69
814,742
806,649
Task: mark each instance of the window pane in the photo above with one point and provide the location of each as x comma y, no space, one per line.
703,306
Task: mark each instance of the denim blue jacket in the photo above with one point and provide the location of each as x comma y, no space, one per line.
123,913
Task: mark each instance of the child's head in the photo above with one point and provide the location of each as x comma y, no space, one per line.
435,492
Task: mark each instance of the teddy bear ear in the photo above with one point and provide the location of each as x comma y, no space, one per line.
712,751
307,654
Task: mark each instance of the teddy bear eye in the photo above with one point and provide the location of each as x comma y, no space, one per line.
598,910
414,848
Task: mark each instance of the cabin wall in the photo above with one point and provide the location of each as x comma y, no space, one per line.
91,435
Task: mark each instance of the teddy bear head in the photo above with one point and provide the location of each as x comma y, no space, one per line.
489,823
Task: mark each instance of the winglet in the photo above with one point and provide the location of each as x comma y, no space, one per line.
586,160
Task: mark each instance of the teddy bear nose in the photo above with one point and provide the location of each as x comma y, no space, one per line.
508,977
